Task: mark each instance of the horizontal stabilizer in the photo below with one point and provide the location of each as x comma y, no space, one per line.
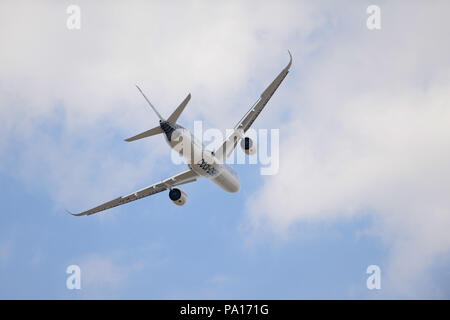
176,114
145,134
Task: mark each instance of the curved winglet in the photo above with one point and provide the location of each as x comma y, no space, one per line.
290,61
74,214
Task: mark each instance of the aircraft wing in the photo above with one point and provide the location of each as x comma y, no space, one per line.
247,120
176,180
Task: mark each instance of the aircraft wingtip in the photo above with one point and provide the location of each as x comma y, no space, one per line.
290,59
73,214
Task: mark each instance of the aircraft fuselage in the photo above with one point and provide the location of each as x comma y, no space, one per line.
199,159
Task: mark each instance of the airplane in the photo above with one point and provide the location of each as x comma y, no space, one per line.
201,162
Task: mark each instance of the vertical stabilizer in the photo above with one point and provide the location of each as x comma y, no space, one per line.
148,101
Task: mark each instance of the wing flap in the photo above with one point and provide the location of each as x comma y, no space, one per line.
176,180
259,105
247,120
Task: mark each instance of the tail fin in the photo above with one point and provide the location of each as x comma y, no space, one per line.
172,119
176,114
145,134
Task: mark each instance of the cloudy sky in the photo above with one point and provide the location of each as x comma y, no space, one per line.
364,173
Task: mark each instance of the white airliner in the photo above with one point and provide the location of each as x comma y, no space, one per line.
201,162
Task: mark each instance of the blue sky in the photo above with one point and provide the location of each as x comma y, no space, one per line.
364,174
164,251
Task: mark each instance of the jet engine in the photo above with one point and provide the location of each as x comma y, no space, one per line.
248,146
179,197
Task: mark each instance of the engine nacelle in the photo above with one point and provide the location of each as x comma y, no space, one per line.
179,197
248,146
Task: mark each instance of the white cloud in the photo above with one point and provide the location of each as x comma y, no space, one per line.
368,126
373,135
105,275
102,275
83,83
99,271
